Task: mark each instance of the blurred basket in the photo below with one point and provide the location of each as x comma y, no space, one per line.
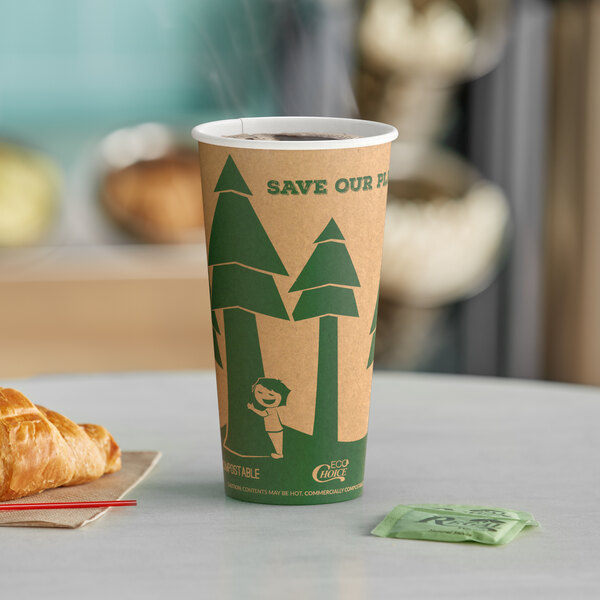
446,228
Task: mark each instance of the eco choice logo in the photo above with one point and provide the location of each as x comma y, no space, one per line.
336,469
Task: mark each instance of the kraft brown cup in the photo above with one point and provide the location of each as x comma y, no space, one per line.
294,234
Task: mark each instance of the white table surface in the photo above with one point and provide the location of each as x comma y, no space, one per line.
514,444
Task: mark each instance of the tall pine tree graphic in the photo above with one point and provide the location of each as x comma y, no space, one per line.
243,262
326,284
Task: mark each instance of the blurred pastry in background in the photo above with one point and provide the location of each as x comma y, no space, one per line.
158,200
29,195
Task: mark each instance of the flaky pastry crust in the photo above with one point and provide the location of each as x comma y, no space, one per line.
41,449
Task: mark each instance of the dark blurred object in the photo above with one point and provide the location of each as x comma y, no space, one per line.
317,56
505,137
29,188
153,187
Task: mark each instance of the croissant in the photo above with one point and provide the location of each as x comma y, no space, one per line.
41,449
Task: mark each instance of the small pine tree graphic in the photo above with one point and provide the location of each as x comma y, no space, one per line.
243,262
326,283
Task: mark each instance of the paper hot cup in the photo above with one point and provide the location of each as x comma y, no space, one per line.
294,235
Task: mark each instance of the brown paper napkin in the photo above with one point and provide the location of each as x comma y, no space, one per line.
136,465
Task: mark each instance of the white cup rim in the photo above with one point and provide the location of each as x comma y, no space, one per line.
371,133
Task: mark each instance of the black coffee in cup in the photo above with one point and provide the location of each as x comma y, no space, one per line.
294,137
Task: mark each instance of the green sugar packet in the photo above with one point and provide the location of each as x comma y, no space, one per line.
454,523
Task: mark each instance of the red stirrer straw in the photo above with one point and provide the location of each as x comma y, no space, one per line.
53,505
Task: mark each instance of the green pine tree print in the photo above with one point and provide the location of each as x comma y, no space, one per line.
243,262
372,333
326,283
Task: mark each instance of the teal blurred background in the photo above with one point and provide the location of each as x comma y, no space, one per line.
106,64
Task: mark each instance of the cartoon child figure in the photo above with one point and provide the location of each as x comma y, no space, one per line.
270,394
